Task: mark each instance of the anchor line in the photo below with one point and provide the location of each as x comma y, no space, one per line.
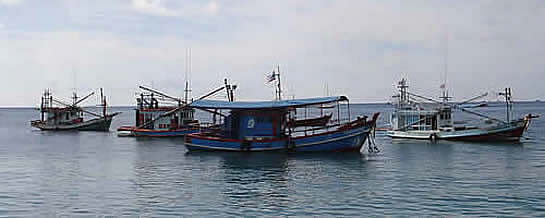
371,140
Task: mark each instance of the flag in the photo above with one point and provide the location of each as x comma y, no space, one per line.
442,86
271,77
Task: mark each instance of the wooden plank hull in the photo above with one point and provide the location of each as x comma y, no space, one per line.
341,140
163,133
511,132
98,124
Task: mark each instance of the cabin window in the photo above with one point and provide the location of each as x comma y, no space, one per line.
67,116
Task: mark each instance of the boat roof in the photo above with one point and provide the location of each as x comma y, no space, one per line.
216,104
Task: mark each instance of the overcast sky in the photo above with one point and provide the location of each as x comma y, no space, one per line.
359,48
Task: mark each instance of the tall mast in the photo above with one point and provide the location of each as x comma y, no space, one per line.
103,99
403,94
279,88
42,106
75,95
444,95
187,70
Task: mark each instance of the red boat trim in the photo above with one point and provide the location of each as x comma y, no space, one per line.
158,131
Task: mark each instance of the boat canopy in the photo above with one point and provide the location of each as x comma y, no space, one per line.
216,104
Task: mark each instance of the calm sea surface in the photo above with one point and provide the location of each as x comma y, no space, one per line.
91,174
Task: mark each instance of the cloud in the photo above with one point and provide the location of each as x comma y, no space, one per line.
359,47
153,7
10,2
175,9
211,8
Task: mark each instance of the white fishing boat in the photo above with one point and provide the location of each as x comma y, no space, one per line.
419,117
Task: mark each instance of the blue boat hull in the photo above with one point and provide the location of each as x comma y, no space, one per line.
345,140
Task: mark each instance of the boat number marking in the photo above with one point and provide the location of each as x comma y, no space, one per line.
251,123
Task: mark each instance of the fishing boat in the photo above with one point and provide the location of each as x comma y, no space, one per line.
281,125
57,115
277,126
155,118
419,117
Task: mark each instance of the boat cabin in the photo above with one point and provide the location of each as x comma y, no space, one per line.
268,120
410,115
149,109
246,124
422,119
60,116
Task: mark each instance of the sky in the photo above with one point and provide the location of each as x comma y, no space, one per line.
355,48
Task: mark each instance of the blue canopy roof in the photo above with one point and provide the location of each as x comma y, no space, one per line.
215,104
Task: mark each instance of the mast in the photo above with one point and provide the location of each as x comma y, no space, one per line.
403,94
103,98
187,71
279,88
74,98
186,90
42,106
444,95
508,103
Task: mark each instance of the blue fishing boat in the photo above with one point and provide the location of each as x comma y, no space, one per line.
282,125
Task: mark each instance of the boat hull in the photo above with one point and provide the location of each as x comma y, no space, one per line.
98,124
511,132
345,140
163,133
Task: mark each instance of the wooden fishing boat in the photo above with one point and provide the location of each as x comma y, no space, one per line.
265,126
157,120
70,116
433,120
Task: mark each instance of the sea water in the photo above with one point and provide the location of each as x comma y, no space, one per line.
90,174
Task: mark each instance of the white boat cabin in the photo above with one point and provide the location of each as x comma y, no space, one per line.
409,115
149,109
59,116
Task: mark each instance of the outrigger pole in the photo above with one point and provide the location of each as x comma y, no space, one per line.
178,108
79,108
84,98
161,94
457,107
